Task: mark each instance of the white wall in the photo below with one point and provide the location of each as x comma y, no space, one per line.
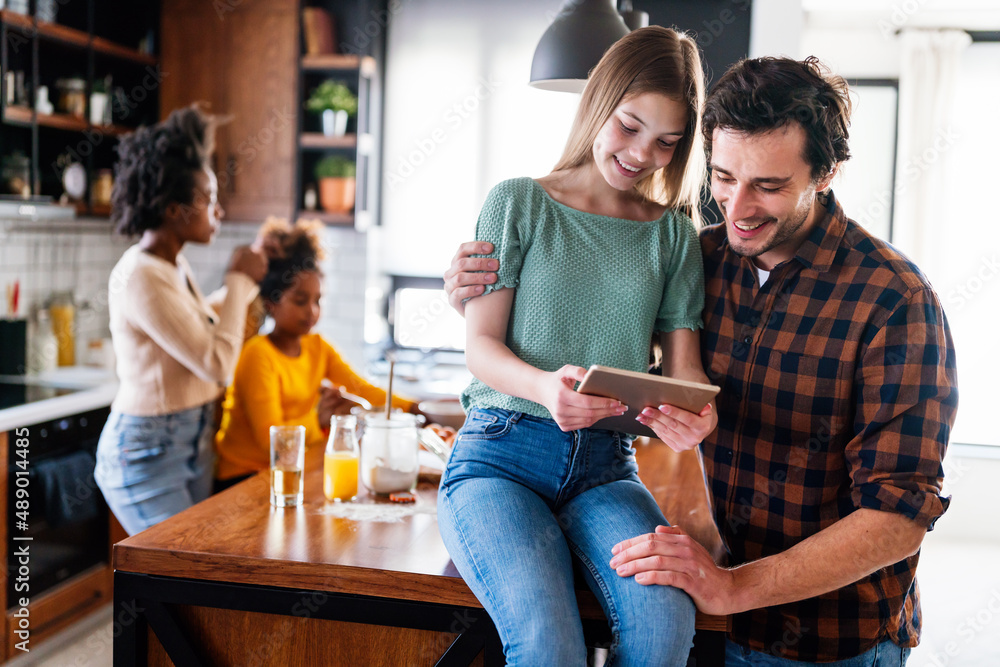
855,52
859,38
776,28
457,125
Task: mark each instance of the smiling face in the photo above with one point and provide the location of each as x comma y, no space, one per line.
766,192
638,138
296,311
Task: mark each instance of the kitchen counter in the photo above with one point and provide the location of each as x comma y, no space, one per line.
233,580
91,388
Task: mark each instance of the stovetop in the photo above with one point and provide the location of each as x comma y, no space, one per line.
14,393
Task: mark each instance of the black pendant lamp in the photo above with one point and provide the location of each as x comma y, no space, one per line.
579,35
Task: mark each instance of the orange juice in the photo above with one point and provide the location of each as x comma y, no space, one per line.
340,475
286,482
62,316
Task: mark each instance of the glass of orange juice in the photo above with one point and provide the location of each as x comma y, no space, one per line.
340,464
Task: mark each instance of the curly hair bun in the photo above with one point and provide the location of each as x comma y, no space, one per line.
300,248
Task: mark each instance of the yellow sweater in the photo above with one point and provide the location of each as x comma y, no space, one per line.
271,388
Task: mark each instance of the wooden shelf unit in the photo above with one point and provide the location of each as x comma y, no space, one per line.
334,62
73,37
346,219
25,34
362,71
109,48
321,141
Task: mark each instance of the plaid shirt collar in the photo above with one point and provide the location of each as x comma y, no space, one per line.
819,250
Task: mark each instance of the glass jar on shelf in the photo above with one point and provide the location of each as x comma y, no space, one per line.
16,174
72,96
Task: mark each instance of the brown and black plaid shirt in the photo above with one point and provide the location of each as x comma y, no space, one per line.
839,392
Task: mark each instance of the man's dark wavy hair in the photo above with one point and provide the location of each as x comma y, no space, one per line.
156,166
762,94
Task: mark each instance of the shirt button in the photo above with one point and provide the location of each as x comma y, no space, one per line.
748,340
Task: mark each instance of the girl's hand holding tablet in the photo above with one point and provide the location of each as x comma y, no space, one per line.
569,409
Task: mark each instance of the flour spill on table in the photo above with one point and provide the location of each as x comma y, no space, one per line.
383,512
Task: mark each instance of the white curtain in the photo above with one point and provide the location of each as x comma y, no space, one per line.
928,75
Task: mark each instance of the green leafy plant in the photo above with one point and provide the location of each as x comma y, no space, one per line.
335,166
333,95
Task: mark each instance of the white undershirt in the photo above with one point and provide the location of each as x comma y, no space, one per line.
762,275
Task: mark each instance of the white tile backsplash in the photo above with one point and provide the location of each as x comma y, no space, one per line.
79,257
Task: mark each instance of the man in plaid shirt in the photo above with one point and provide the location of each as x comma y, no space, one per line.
838,392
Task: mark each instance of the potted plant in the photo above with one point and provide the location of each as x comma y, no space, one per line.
336,177
335,101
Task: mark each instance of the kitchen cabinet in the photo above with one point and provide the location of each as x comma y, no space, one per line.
359,63
240,58
57,563
74,53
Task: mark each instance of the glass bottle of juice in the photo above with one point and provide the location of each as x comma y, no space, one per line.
62,313
340,464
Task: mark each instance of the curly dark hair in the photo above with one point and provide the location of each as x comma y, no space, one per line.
157,165
762,94
301,249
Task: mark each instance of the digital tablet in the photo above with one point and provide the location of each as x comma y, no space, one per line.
640,390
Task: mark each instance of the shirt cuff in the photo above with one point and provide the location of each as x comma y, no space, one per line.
664,326
923,507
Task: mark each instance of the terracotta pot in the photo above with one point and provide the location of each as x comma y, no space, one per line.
336,195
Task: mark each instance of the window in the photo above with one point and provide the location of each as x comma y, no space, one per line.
454,128
967,248
864,186
964,263
420,316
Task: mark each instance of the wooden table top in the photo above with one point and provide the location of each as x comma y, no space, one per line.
237,536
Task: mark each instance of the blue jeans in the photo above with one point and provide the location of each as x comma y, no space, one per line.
885,654
150,468
519,500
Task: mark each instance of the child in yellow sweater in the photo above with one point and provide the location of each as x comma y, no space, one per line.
279,375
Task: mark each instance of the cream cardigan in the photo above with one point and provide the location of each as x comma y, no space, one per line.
173,351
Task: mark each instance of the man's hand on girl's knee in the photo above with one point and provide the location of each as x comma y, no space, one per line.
671,557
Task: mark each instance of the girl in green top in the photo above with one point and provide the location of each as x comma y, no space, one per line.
594,259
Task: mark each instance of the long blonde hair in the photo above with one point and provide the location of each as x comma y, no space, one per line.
648,60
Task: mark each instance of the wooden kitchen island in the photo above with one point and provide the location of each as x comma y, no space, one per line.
233,581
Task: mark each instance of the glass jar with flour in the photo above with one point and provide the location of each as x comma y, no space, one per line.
389,449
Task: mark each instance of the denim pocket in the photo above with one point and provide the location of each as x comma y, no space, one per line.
486,424
623,447
142,447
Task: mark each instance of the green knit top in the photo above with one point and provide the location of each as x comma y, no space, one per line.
590,289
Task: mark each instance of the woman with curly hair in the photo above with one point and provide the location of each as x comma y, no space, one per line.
176,349
279,377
